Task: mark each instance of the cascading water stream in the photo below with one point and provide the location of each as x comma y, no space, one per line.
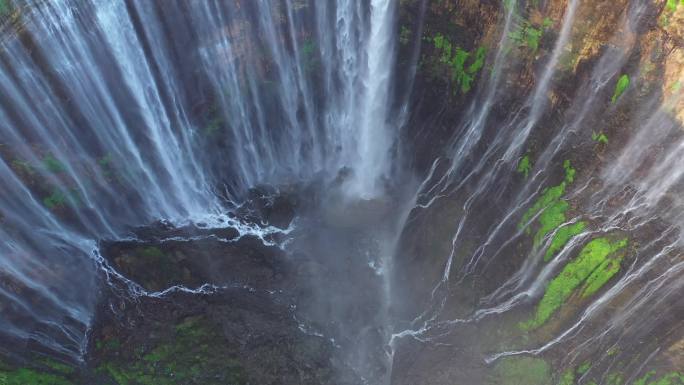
118,114
430,241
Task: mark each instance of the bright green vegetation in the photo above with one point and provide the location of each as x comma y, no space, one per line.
670,8
562,237
58,366
525,165
569,172
52,164
584,368
26,376
614,379
601,275
590,267
550,209
55,200
548,197
650,378
527,35
189,356
54,374
599,137
463,65
568,378
620,87
552,217
671,5
522,371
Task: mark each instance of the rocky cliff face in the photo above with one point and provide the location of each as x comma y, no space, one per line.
543,225
537,243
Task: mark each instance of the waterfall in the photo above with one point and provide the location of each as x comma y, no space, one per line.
635,184
519,198
117,114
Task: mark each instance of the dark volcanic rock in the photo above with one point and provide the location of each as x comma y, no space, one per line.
231,336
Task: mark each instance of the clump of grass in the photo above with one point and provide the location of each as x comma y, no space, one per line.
53,375
650,378
525,165
52,164
584,367
522,371
620,87
55,200
599,137
463,65
527,35
568,378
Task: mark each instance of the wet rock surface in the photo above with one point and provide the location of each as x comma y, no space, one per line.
196,305
220,309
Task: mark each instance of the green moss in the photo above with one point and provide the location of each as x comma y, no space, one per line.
569,172
213,127
152,252
568,378
601,276
522,371
458,73
55,200
599,137
671,5
584,368
25,376
549,196
189,355
478,61
23,166
552,217
309,60
404,35
612,351
579,270
524,166
5,10
650,378
620,87
58,366
457,59
53,165
527,35
562,237
614,379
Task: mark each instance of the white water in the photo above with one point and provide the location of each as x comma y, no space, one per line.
632,305
117,114
132,112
